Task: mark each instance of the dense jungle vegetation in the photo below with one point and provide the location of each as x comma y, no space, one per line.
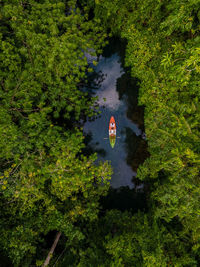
48,185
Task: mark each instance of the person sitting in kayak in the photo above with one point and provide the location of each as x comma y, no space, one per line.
112,131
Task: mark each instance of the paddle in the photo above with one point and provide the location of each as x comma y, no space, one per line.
108,138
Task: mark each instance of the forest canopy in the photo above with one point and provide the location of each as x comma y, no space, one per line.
48,184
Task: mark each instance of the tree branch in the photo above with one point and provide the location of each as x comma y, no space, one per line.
52,249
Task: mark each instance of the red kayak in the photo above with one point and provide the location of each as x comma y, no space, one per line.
112,131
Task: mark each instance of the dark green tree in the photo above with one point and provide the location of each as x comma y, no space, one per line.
47,184
126,239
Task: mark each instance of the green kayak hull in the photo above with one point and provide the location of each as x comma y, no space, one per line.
112,140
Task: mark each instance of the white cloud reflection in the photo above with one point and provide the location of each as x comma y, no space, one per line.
112,70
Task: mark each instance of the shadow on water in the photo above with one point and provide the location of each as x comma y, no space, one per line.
124,198
91,147
131,144
94,81
129,87
118,46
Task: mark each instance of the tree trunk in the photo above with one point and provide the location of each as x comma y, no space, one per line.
52,249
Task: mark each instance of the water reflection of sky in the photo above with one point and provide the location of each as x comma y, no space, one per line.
98,128
112,69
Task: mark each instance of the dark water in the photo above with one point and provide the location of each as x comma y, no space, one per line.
117,96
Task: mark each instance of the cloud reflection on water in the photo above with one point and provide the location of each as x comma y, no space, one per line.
108,96
110,70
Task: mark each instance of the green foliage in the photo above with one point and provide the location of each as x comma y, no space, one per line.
46,182
163,52
132,240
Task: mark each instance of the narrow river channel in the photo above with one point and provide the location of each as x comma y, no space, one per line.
117,96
